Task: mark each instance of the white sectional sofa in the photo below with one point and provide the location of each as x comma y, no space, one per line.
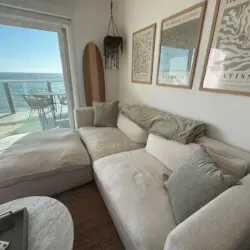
128,170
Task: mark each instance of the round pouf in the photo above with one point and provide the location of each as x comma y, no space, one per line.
50,223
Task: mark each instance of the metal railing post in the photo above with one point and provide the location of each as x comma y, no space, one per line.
9,97
49,86
54,102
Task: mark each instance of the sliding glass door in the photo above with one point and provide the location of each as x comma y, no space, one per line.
34,94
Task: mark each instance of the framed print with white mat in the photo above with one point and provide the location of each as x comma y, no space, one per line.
143,55
179,47
227,65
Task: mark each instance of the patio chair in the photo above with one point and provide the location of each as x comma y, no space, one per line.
38,103
50,98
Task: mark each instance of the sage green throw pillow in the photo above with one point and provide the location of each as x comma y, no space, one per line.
196,183
105,114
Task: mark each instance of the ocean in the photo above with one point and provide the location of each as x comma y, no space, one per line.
28,84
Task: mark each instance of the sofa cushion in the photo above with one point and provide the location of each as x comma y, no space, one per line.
234,166
171,126
105,114
27,157
132,130
84,117
196,183
224,149
222,224
102,142
170,153
133,183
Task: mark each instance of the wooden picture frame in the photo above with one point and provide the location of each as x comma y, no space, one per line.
171,27
143,54
221,76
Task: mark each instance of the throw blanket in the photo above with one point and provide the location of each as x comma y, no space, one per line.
170,126
37,154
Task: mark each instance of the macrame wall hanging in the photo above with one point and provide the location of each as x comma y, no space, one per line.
113,44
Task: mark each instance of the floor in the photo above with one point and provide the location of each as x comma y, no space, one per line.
94,228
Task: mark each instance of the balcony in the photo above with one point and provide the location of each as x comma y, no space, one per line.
29,106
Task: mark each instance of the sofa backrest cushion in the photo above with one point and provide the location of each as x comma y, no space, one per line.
234,166
172,154
225,150
168,125
132,130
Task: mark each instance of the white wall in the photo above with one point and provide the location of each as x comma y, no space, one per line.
89,23
228,116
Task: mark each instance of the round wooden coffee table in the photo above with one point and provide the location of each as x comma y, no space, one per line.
50,223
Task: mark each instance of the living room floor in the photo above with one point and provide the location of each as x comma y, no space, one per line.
94,228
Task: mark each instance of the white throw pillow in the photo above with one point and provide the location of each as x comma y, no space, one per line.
172,154
132,130
234,166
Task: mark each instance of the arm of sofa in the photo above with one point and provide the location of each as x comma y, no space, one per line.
84,117
223,224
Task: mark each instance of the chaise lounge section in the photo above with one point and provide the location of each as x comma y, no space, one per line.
42,163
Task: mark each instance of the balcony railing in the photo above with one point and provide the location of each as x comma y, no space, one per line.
16,112
11,95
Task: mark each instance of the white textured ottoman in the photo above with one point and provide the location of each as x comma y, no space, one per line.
42,163
49,222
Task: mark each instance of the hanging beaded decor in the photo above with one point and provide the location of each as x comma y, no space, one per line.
113,44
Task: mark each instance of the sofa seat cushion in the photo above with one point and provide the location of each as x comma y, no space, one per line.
102,142
133,181
27,157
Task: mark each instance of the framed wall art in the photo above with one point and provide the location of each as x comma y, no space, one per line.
227,65
143,55
179,46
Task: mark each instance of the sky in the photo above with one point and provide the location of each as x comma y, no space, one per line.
29,50
173,59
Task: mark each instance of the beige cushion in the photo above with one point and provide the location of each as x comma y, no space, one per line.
170,153
236,167
132,130
84,117
105,114
225,150
102,142
133,183
36,155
